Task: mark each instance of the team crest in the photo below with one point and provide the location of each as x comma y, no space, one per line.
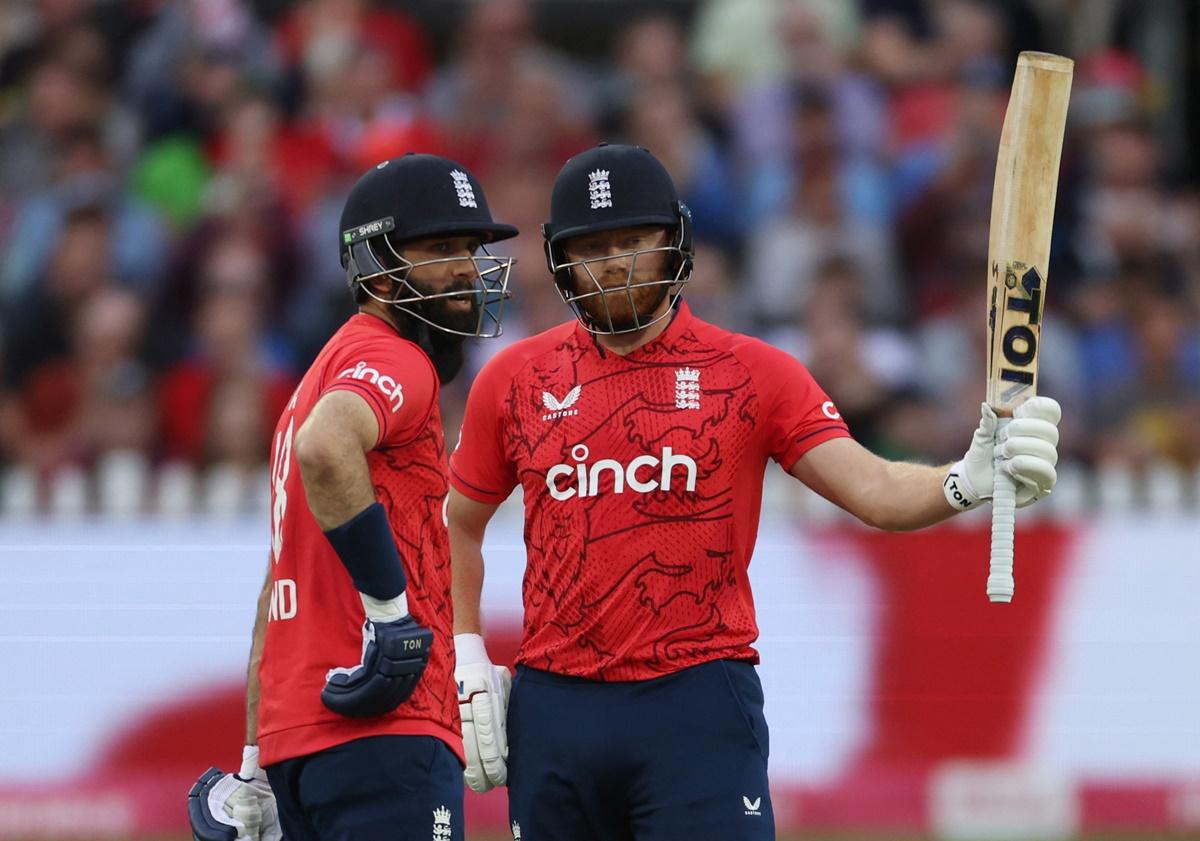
441,824
687,388
462,186
516,831
599,190
561,408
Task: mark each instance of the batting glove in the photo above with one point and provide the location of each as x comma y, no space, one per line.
1026,448
234,807
395,653
483,705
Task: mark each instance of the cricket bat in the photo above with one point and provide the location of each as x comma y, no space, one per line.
1018,256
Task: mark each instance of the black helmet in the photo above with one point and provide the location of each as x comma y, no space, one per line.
413,197
609,187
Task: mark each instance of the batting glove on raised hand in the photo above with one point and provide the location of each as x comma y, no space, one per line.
395,653
483,705
234,807
1025,447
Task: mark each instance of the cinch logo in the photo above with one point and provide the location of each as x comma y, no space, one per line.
639,474
390,388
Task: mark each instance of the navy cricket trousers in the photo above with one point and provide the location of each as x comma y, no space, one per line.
380,788
677,758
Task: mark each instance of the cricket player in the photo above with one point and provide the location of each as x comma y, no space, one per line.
351,709
639,435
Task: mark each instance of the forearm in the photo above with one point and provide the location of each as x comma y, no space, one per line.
466,586
253,687
902,496
891,495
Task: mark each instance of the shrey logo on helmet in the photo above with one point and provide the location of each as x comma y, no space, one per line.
565,481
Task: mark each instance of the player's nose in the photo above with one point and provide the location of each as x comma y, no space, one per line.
464,267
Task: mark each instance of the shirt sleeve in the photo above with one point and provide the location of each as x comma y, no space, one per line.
798,414
480,466
394,377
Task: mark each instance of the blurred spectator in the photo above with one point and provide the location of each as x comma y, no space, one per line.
197,56
649,53
1141,356
38,320
818,99
944,192
838,159
663,120
232,378
90,396
473,95
824,220
320,37
712,293
858,365
84,177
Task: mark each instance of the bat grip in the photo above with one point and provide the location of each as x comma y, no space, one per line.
1004,509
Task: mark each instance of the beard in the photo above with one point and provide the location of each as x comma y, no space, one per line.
460,314
611,312
445,350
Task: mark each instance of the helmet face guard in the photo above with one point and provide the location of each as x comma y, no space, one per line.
568,278
378,257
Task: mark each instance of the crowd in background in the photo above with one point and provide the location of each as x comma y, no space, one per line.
172,171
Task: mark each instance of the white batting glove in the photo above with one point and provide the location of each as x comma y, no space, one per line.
483,705
1027,447
241,806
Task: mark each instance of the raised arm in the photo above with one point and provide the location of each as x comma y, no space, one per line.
899,496
895,496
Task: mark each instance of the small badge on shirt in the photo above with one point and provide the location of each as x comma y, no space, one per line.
561,408
687,388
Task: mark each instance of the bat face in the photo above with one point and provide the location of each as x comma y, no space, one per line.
1014,328
1022,215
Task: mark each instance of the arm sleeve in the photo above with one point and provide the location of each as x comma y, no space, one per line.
394,377
798,414
480,466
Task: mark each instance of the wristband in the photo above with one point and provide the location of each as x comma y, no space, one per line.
367,549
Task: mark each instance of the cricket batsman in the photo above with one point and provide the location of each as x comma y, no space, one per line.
350,705
639,435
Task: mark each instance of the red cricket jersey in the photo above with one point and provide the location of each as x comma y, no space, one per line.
642,479
316,615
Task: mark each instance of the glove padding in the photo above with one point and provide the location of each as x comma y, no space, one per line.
1027,449
394,656
483,691
234,807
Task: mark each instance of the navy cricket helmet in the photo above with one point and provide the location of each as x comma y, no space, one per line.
610,187
417,196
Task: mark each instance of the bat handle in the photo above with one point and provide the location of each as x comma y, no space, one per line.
1004,509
